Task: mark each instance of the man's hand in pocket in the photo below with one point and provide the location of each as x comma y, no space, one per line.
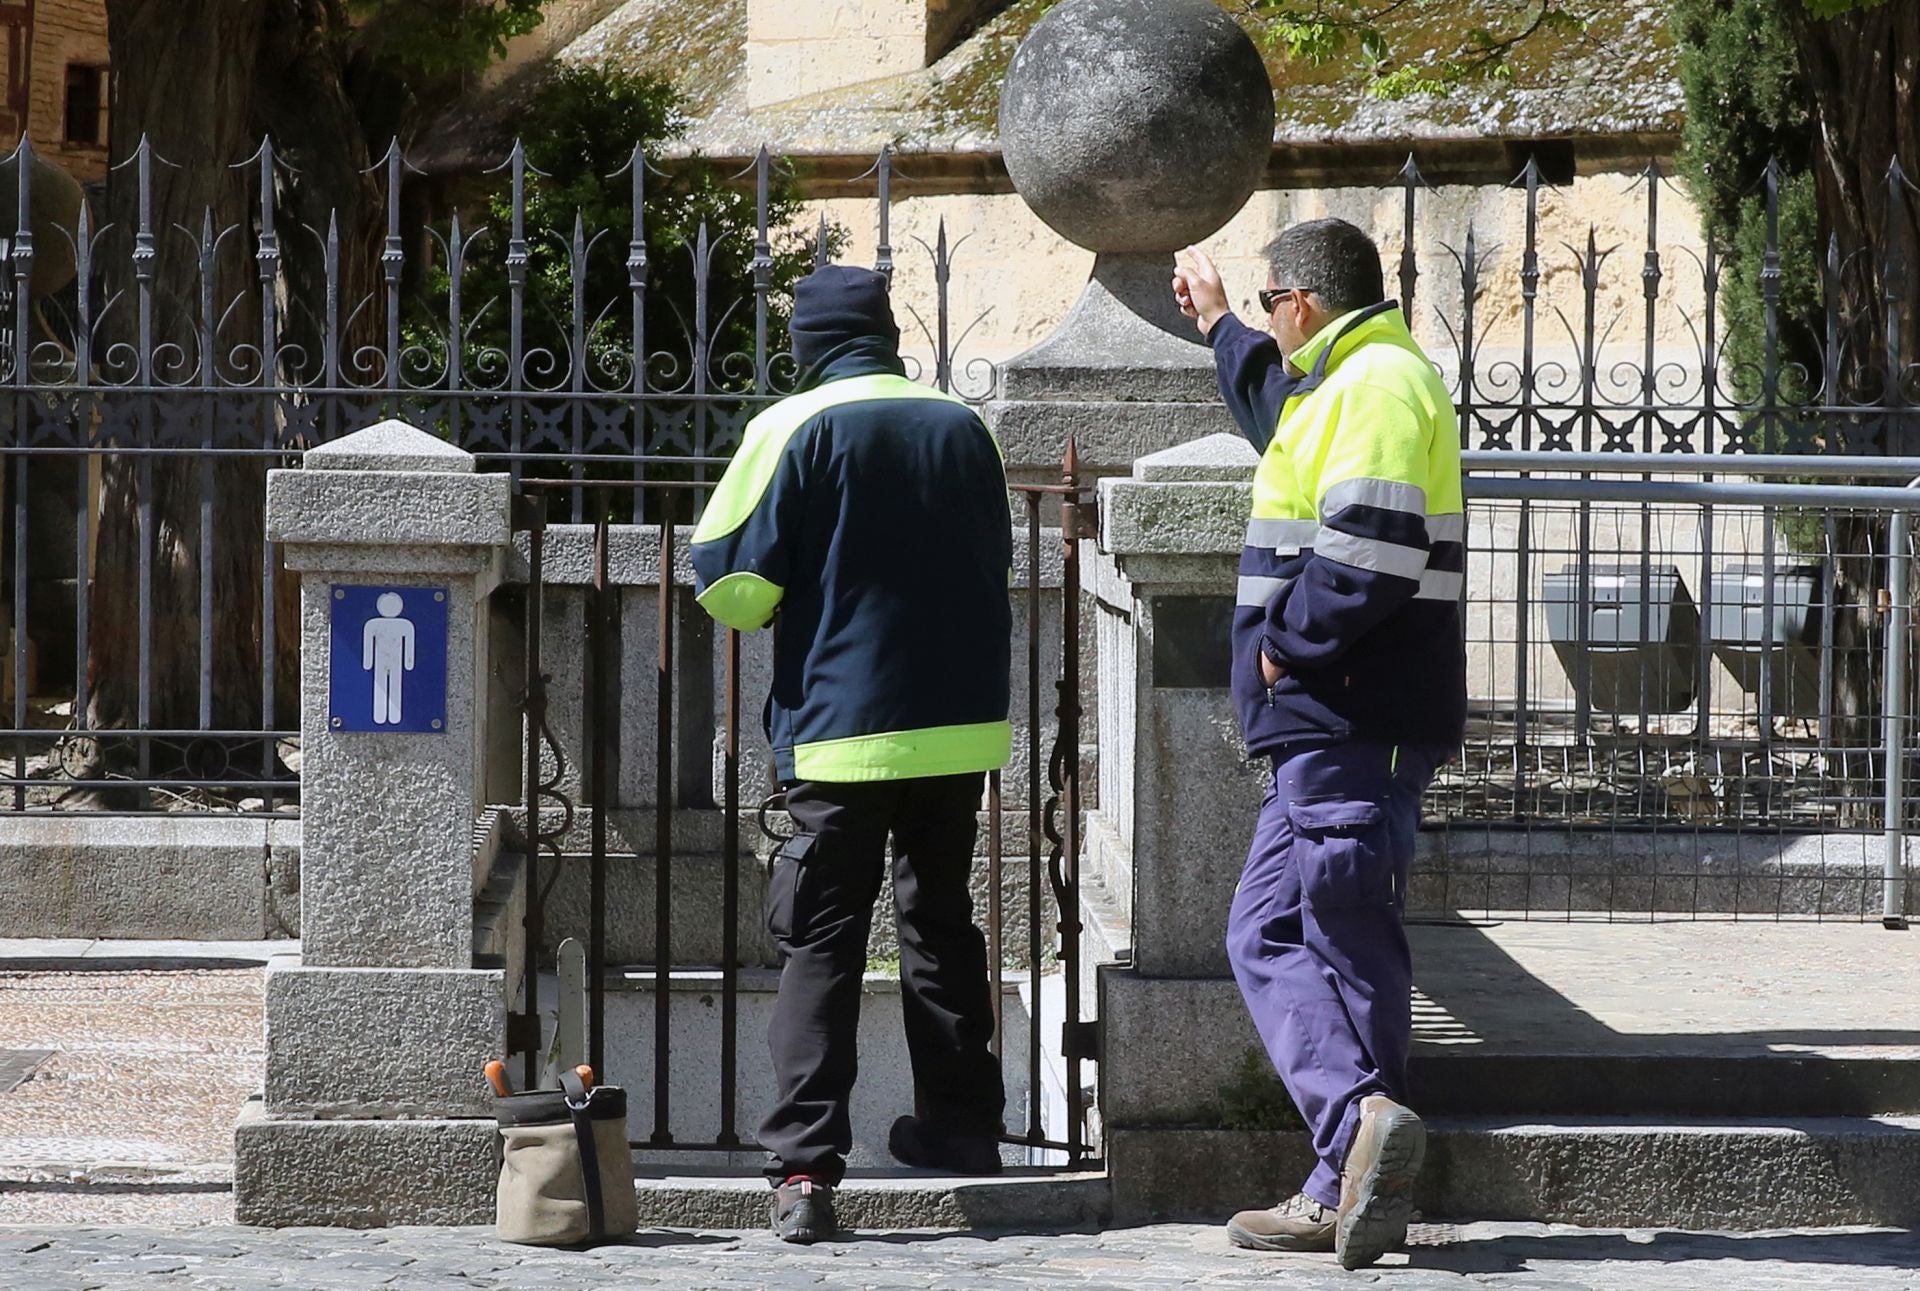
1270,672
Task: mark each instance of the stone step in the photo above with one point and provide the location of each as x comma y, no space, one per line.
1628,1173
1029,1200
1478,869
696,1008
1106,861
1106,937
1676,1084
1222,1077
89,954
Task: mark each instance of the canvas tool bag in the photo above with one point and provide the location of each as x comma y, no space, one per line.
566,1174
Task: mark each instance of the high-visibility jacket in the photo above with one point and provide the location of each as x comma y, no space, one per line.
1355,559
871,512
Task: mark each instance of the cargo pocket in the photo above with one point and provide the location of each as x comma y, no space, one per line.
783,887
1341,851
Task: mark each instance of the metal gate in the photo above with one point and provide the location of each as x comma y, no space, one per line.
646,514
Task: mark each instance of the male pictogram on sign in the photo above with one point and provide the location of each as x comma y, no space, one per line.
387,653
388,665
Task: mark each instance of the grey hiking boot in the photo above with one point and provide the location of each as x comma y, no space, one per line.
1297,1224
1376,1185
803,1211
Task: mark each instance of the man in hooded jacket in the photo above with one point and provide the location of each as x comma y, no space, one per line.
866,517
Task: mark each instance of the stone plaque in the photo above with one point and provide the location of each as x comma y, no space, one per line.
1192,642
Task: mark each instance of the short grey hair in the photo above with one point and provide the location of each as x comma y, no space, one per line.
1332,259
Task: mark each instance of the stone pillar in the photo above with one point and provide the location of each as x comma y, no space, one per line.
1178,801
1132,128
375,1110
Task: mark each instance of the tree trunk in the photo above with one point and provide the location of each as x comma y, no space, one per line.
183,75
1860,68
301,103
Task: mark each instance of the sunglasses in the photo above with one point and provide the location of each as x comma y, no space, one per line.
1270,297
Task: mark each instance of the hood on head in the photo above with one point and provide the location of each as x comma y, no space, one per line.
836,305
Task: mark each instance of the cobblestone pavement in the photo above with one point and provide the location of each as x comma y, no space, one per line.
1513,1257
162,1061
130,1121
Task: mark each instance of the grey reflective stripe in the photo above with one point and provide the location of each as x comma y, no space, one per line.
1388,495
1447,528
1441,585
1278,534
1370,553
1259,592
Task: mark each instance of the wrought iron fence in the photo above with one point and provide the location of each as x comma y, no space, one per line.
646,848
154,663
149,643
1627,346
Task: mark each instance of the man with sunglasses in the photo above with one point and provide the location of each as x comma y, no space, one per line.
1349,671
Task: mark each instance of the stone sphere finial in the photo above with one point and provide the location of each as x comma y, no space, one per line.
1136,125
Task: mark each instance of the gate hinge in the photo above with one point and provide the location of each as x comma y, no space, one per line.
527,512
1081,1040
1084,517
523,1032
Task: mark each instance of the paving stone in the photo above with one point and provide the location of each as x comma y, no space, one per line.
1509,1257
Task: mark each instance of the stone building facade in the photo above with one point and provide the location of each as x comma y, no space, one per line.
828,84
58,89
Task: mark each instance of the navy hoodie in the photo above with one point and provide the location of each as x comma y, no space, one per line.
866,517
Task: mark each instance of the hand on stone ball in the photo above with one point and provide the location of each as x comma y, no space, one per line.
1198,290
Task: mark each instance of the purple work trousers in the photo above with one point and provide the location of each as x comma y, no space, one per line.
1315,936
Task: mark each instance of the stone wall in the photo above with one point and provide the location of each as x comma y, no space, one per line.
65,32
794,50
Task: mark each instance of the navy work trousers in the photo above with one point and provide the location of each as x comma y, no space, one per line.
820,909
1315,936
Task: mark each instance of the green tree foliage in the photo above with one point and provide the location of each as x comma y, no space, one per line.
1834,8
437,39
1747,104
579,136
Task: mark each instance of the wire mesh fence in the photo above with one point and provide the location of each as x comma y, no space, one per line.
1685,696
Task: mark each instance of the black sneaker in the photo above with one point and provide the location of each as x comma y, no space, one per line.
803,1211
925,1146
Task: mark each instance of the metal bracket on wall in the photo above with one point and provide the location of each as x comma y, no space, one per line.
1081,1040
1086,518
523,1032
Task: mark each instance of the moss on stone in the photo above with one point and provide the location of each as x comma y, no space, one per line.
1252,1098
1619,78
1626,61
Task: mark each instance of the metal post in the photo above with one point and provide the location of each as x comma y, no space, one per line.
663,832
730,894
1067,879
534,705
603,742
1893,893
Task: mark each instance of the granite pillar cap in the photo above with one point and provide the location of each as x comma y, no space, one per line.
1216,457
389,446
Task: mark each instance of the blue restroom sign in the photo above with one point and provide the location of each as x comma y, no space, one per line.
388,669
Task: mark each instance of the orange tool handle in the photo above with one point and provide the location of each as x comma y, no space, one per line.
585,1073
497,1077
